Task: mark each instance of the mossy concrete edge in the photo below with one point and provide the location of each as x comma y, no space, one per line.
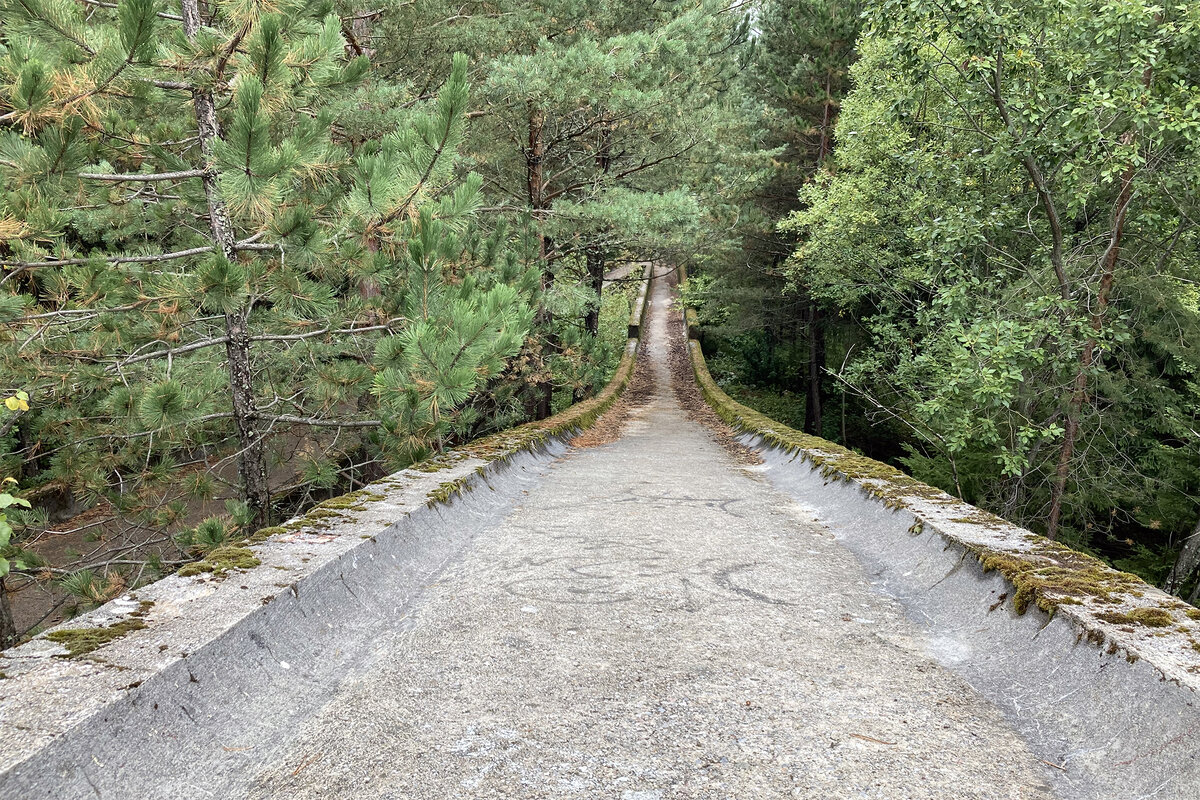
1108,608
73,673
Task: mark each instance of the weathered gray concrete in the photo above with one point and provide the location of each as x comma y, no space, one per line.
1112,715
1105,687
642,620
652,621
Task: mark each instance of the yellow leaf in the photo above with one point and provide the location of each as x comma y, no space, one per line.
12,403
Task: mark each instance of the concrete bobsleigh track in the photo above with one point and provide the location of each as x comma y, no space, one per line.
649,612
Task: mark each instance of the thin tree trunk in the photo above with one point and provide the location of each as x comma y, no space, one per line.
359,34
1186,563
1079,389
596,263
252,464
826,121
535,183
816,370
8,627
1037,177
596,260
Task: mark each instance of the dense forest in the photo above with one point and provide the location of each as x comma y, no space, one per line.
256,254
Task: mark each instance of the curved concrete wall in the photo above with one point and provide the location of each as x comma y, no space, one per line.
262,644
1098,670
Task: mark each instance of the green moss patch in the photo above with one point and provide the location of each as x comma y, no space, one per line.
323,513
1058,576
351,501
445,491
81,641
1149,617
442,461
220,561
262,534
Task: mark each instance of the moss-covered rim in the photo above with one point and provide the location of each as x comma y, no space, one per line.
1041,572
81,642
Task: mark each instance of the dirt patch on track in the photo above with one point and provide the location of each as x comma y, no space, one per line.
608,427
643,387
687,392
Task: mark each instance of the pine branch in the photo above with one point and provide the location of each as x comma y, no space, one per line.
218,340
246,245
71,312
82,45
625,173
151,176
229,51
169,353
102,563
293,337
99,87
322,423
162,14
137,434
446,133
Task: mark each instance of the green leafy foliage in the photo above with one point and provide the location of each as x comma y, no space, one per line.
1009,220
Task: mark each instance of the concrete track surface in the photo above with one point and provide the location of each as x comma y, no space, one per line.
651,621
639,616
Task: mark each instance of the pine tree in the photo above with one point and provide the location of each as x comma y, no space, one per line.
605,125
794,78
215,227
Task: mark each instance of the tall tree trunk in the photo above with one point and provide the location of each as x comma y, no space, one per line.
535,183
252,463
8,627
1079,388
1186,563
359,34
596,259
826,122
816,370
595,268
